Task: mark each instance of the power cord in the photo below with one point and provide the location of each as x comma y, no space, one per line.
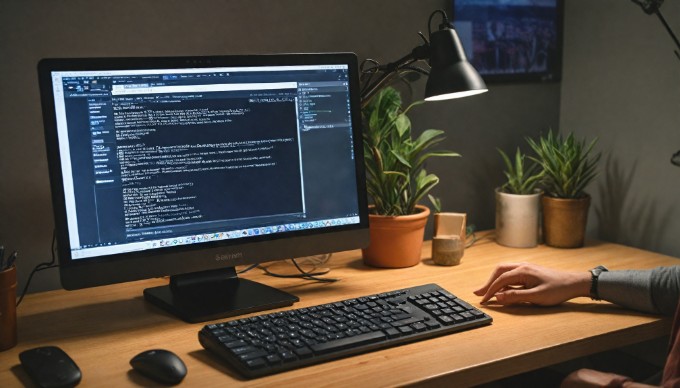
314,274
471,236
248,268
311,275
41,267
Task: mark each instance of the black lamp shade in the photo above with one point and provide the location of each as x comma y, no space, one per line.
451,75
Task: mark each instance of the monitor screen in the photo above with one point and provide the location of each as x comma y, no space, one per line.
170,166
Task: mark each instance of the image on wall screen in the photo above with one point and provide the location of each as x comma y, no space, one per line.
508,40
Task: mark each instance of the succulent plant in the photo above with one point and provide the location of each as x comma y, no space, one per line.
568,165
522,178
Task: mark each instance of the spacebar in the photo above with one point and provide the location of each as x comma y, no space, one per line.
349,342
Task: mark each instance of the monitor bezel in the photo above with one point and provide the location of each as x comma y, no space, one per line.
131,266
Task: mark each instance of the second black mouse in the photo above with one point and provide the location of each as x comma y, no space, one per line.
50,367
160,365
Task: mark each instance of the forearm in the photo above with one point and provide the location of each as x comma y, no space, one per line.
653,291
630,289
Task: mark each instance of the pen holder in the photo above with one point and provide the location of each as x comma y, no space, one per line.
8,308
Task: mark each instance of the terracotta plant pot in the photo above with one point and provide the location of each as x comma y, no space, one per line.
564,221
517,219
396,241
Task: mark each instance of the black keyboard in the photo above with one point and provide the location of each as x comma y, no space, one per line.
276,342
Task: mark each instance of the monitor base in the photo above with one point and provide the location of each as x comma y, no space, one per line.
210,295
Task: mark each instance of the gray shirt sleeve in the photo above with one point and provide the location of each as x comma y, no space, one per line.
654,291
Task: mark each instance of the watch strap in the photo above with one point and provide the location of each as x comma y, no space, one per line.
594,278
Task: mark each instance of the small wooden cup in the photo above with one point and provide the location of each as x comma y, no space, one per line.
447,250
448,243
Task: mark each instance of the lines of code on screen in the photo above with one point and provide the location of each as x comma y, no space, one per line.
204,157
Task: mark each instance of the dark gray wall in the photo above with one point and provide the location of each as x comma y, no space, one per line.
380,29
621,83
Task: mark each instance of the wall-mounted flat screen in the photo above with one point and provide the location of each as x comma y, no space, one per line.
511,40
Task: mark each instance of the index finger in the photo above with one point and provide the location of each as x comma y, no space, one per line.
498,271
509,278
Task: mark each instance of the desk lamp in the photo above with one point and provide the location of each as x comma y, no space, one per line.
450,74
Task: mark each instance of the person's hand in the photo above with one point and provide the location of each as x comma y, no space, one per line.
529,283
587,378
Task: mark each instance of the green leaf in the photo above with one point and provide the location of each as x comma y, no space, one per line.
436,203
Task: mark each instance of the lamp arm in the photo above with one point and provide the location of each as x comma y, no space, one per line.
371,90
653,7
388,71
416,69
670,31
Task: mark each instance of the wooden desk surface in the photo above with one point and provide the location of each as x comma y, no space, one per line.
103,328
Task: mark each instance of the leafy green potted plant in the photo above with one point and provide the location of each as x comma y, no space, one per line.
568,166
396,180
518,203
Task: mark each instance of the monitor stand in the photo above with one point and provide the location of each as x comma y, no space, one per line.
208,295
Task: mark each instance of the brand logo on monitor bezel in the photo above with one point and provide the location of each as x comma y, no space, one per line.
228,256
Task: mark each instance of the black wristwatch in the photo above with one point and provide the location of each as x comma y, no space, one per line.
594,275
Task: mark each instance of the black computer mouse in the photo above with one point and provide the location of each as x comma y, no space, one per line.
50,367
160,365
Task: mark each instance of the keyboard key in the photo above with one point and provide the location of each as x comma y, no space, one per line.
252,355
219,332
288,356
348,342
392,333
407,321
243,350
303,352
445,319
256,363
419,326
400,316
273,359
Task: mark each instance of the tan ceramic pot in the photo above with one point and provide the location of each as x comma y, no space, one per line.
564,221
396,241
517,219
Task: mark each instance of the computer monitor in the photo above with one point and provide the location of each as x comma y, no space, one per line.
189,166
